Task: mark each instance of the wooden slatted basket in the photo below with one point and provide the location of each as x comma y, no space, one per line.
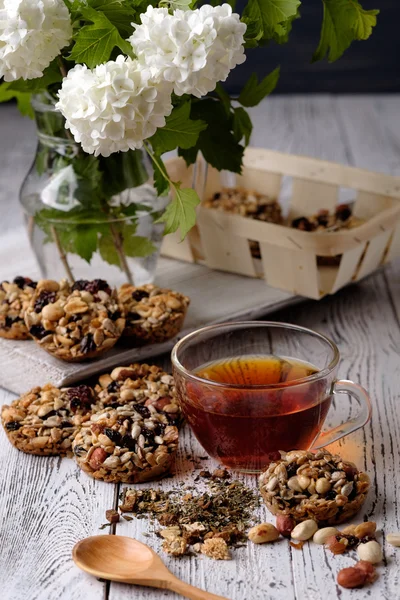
290,258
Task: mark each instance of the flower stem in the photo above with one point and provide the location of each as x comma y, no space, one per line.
121,254
62,254
61,66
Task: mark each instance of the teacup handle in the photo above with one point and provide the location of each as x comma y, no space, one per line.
360,394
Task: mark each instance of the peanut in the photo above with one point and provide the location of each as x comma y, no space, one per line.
364,529
322,485
98,457
305,530
367,568
371,552
285,525
265,532
321,536
393,539
349,530
351,578
52,312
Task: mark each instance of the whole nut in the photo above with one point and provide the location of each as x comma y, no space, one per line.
364,529
304,481
393,539
52,312
351,578
98,457
294,484
305,530
48,285
285,525
322,486
321,536
367,568
349,530
371,551
265,532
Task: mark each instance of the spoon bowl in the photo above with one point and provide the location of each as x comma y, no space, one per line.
125,560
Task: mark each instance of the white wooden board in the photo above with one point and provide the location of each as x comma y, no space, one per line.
215,297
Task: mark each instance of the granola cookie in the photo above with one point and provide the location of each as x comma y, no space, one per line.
45,420
153,314
75,323
128,444
317,486
141,384
14,299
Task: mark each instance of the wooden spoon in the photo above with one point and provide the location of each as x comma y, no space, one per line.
126,560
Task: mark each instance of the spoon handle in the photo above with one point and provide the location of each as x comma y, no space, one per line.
188,591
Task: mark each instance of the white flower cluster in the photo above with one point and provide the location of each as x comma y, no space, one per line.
113,107
119,104
32,33
192,49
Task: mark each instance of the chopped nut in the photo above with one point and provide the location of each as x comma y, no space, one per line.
112,516
171,532
265,532
216,548
338,544
371,552
351,578
305,530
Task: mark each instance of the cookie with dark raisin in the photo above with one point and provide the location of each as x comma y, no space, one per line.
153,314
75,323
45,420
15,296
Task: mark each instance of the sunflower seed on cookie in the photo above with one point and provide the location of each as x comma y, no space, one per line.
15,296
75,323
153,314
128,444
45,420
335,489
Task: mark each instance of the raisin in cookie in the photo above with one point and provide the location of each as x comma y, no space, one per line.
14,299
129,444
142,384
45,420
153,314
320,486
75,323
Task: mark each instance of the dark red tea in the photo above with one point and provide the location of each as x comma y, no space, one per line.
245,427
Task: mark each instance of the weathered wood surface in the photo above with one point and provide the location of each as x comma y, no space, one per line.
47,504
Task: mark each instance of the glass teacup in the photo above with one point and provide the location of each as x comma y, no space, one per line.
251,389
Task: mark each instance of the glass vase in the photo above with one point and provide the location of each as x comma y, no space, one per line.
89,217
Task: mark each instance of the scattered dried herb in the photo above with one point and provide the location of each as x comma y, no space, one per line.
104,525
224,511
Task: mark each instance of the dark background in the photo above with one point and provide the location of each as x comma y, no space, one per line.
370,66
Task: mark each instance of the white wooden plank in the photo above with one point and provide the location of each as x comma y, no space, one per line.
46,505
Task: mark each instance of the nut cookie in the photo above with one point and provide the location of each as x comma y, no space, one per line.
153,314
128,444
141,384
317,486
14,299
45,420
75,323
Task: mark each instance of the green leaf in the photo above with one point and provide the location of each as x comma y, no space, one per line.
253,92
50,76
95,43
136,245
268,19
107,248
179,131
224,97
23,99
160,182
119,12
177,4
344,21
217,143
242,125
83,241
181,213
